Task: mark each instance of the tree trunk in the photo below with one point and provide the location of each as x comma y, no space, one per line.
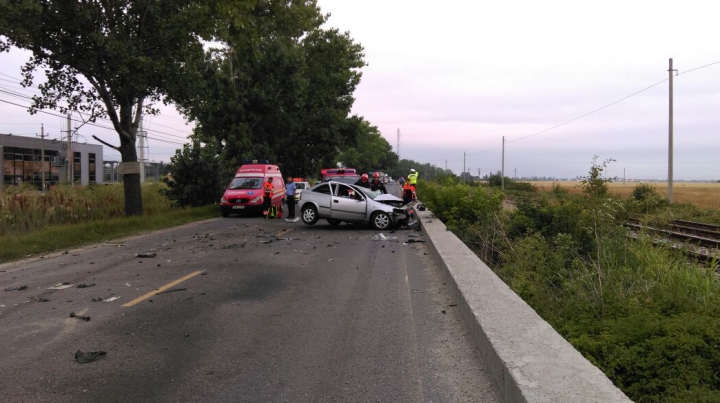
131,182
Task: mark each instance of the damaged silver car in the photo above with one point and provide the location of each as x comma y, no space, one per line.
337,202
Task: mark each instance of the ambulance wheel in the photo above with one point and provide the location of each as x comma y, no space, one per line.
381,221
309,215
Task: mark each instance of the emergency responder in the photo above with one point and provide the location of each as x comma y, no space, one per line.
412,177
376,184
268,190
408,192
363,181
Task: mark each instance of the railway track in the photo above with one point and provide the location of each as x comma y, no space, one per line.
699,240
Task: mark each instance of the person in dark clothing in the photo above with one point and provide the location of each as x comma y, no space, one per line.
363,181
377,185
290,197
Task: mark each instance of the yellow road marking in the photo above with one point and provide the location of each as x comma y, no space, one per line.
161,289
283,232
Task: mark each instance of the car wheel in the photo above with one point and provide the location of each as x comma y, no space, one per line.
309,215
380,221
333,221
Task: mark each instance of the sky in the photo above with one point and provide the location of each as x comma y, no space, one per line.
562,81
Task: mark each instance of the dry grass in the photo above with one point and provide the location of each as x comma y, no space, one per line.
700,194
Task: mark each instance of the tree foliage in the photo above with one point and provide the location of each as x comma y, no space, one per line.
594,184
197,175
371,152
284,96
107,59
425,171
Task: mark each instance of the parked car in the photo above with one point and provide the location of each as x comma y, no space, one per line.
299,187
337,202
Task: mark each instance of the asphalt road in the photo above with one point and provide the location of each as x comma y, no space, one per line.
255,311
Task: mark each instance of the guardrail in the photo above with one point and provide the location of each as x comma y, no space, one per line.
527,359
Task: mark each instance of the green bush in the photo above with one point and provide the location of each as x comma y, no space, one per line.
459,204
198,176
654,358
645,315
645,200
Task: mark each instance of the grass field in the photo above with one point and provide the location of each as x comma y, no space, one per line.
701,194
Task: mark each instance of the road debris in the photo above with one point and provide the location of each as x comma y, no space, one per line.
148,254
383,237
60,286
85,318
273,238
89,356
415,241
83,285
111,299
171,290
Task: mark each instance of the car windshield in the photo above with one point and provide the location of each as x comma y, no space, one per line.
245,183
370,193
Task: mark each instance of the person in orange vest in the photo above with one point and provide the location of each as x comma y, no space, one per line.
268,190
408,192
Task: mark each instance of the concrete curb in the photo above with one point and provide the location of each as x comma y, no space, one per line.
527,359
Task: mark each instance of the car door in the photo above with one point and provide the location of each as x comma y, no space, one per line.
322,196
348,204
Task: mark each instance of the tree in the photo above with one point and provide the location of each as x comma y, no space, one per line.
371,152
198,175
109,59
285,96
594,184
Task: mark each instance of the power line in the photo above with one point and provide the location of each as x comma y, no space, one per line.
610,104
22,96
589,113
596,110
100,126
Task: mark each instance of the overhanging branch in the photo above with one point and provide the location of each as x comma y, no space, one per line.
107,144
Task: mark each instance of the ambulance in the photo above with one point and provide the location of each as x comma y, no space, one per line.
345,175
244,193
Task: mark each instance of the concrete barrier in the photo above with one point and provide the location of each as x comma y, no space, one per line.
528,360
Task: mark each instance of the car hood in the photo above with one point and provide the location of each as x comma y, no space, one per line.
385,198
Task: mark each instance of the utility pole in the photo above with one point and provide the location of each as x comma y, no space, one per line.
515,175
42,157
398,143
141,146
70,160
670,136
463,167
446,165
502,174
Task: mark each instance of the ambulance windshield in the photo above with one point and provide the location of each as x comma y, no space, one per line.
245,183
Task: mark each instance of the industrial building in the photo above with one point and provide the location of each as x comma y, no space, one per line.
43,162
